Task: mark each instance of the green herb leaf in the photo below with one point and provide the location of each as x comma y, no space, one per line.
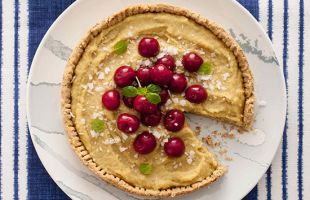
141,91
205,68
97,125
145,168
120,47
153,98
129,91
153,88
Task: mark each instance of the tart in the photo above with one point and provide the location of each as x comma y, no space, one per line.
127,85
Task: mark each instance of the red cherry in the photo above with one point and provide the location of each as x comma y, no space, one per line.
164,96
111,99
128,123
178,83
144,75
124,76
174,120
196,94
174,147
161,75
168,61
151,119
142,105
144,143
148,47
128,101
192,61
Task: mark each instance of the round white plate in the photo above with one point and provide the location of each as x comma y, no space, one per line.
250,159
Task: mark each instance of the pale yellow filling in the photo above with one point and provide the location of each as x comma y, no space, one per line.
111,149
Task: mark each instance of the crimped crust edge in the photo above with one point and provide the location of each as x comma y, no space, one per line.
74,138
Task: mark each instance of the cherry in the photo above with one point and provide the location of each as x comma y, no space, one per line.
128,101
196,94
148,47
151,119
168,61
144,75
164,96
124,76
144,143
161,75
174,147
178,83
128,123
174,120
192,61
142,105
111,99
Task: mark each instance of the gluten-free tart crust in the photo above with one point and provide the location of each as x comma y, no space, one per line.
89,73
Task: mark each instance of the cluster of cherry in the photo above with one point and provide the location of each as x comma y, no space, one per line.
161,75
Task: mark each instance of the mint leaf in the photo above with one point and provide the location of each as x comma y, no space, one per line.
153,98
153,88
205,68
129,91
97,125
141,91
120,47
145,168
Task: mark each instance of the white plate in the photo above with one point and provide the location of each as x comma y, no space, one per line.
43,107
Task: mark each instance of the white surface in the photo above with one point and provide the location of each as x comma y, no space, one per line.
249,162
23,74
7,94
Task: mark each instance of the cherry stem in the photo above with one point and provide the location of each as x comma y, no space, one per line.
170,96
138,82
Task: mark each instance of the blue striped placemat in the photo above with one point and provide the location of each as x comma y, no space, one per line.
23,23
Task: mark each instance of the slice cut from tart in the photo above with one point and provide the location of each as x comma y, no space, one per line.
127,85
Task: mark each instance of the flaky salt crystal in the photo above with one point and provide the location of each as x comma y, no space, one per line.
100,76
94,133
90,86
107,70
82,120
225,76
122,149
182,102
178,63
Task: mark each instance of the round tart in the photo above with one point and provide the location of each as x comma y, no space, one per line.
127,85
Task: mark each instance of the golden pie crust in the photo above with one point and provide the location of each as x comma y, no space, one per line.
74,137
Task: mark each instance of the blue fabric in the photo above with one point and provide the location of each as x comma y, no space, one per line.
41,15
284,140
252,6
300,99
16,98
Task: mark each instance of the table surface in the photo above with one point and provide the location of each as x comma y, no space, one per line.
23,23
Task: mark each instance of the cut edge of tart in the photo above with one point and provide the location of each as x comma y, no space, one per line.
68,78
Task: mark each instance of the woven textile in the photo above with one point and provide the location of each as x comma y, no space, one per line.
23,24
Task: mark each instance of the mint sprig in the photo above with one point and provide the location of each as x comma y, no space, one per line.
153,88
142,91
129,91
145,168
97,125
153,98
151,92
205,68
120,47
